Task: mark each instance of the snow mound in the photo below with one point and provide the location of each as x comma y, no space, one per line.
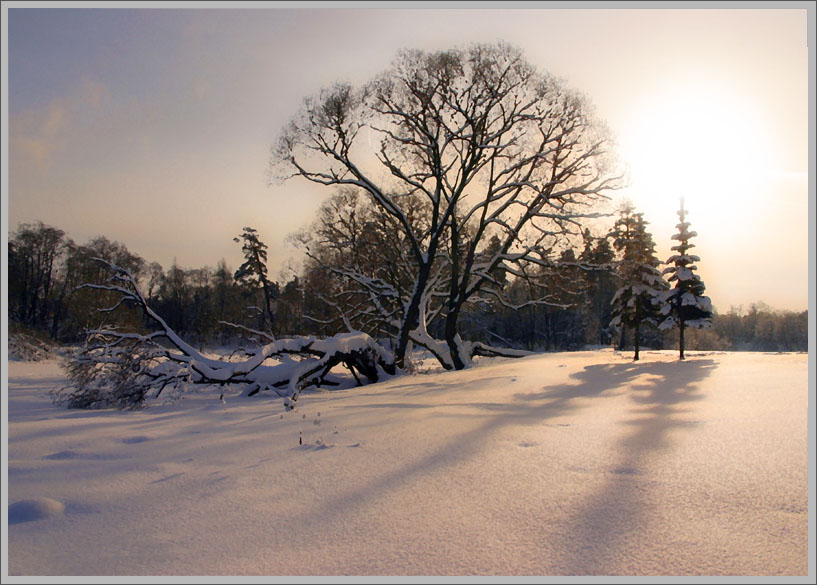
34,509
26,348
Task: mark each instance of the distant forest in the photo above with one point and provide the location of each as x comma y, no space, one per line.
223,306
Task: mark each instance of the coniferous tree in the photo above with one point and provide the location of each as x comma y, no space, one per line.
253,274
686,305
638,299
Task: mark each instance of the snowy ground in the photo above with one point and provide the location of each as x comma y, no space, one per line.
557,464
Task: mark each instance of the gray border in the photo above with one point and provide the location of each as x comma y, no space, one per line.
812,318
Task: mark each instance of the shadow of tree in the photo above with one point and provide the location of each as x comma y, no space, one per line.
552,401
597,536
593,380
534,408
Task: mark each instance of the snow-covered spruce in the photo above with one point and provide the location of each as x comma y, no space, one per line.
123,369
638,299
685,304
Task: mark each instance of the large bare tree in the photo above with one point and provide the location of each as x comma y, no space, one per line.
491,148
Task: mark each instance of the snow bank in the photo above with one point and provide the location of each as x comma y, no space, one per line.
558,464
34,509
27,348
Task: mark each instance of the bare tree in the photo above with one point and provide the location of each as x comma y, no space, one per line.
366,273
488,145
34,254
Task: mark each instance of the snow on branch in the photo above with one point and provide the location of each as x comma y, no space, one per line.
125,368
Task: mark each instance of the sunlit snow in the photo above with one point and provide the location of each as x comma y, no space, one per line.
556,464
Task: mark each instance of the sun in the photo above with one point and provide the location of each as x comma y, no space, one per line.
697,140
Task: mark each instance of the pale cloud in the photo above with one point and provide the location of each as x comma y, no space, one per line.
35,134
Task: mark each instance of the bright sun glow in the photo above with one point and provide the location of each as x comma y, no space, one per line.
700,142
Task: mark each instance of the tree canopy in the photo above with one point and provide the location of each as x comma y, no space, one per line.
458,149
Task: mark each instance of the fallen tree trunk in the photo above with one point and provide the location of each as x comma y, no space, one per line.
123,369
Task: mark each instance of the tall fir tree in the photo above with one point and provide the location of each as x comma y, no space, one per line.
253,274
685,304
638,299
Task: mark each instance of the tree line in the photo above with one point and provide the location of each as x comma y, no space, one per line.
46,267
46,271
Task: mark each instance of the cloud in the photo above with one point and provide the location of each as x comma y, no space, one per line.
35,134
38,134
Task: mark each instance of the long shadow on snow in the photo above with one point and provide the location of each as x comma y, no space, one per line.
418,388
532,407
598,535
527,408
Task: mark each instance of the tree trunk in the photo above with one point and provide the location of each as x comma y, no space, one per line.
451,339
681,339
412,317
269,317
637,340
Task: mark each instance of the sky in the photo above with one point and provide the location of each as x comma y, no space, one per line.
153,126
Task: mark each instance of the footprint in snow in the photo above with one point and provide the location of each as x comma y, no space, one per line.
526,444
317,446
168,478
34,509
69,454
134,440
626,471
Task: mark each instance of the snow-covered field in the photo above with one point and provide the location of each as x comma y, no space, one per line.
556,464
